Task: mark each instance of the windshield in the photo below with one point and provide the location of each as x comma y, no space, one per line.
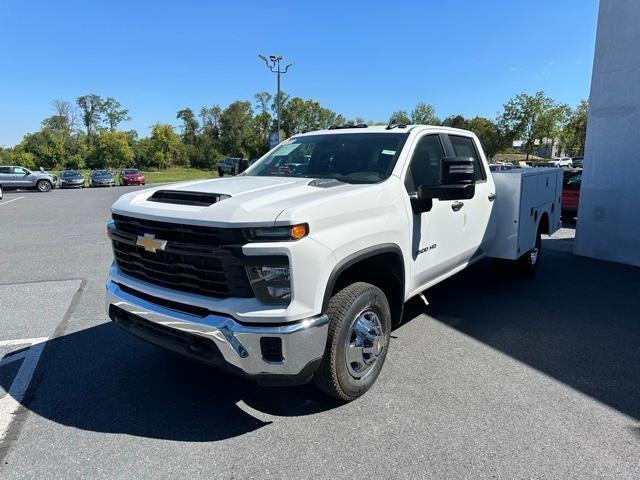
130,172
100,173
70,173
347,157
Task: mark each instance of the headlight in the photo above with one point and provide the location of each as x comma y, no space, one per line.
271,284
277,234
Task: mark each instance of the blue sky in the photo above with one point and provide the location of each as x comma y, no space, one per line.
359,58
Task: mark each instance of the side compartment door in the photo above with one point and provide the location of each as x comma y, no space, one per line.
477,228
437,245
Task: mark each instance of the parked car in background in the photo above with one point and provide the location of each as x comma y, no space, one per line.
500,167
560,162
571,193
232,166
21,177
71,179
131,176
101,178
577,161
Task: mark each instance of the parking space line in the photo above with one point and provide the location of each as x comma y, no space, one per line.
12,200
10,403
22,341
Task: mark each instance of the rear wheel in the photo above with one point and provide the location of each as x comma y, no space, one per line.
220,172
357,341
43,185
527,264
0,192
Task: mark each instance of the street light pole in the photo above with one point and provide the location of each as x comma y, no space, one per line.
273,64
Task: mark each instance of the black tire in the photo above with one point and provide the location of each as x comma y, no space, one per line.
526,265
220,172
335,376
43,186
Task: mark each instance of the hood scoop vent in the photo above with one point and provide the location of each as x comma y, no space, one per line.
181,197
325,183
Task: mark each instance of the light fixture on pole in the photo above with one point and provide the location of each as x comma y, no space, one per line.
273,64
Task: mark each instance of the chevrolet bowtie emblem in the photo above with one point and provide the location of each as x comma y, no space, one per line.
150,244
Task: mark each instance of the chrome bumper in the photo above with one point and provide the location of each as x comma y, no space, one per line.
303,342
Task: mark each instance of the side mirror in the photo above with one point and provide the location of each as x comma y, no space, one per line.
458,175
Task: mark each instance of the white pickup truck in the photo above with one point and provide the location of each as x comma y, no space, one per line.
290,274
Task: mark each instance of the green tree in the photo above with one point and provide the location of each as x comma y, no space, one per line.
306,115
91,108
237,137
574,132
399,117
112,149
531,118
189,125
113,113
424,114
47,147
456,121
17,156
164,148
491,137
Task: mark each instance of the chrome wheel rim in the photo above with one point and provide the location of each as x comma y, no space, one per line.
43,186
533,256
365,344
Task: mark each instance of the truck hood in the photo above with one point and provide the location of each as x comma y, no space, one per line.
251,200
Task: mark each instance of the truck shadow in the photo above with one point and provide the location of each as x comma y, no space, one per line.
577,320
103,379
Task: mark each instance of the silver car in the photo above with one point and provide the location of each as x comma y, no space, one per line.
21,177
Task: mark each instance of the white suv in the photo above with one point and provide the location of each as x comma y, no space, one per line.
561,162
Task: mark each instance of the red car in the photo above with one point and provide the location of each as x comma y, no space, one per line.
571,193
131,176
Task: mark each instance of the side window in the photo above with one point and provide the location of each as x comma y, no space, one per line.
5,170
19,171
464,147
425,166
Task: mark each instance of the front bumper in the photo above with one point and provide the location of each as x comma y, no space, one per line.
284,354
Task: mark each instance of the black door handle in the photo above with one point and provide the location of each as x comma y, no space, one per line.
492,197
455,206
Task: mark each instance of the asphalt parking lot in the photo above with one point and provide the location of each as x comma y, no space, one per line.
496,378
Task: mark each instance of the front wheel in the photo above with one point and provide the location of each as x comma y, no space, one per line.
43,186
357,341
220,172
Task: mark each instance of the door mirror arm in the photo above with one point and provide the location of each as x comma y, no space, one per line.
420,205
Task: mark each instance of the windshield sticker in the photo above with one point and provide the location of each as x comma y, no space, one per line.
388,152
287,149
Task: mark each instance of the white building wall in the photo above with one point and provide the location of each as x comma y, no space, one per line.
609,212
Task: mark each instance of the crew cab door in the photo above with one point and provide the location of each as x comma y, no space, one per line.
475,213
437,244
